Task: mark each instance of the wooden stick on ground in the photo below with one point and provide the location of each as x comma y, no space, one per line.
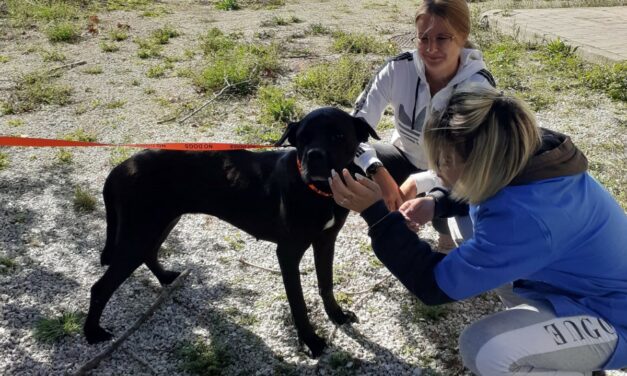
165,293
215,96
69,66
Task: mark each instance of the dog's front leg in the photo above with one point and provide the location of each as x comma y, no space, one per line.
289,260
324,250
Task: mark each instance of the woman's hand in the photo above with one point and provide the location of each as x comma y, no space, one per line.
408,189
391,194
418,211
355,195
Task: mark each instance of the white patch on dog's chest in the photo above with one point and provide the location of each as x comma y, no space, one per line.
330,223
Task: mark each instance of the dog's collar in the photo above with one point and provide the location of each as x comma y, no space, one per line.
310,185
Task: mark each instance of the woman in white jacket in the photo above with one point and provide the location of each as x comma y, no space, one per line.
414,83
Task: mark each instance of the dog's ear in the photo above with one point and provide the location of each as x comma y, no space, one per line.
288,134
364,130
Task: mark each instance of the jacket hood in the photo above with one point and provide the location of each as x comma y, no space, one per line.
556,157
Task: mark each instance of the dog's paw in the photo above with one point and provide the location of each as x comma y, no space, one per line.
316,346
96,335
343,317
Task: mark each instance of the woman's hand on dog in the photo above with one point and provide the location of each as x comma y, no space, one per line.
356,195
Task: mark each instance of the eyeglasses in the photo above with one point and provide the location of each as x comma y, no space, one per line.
441,41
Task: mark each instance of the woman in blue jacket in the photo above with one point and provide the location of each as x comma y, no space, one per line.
547,236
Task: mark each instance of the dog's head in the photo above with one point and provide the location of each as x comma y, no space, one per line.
325,139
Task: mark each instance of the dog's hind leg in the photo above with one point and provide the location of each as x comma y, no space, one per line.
324,249
121,268
165,277
112,228
289,261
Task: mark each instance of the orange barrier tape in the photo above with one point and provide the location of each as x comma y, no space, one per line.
193,146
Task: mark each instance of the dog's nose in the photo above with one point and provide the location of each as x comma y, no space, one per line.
315,155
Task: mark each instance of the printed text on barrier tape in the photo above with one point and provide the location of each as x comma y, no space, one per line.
44,142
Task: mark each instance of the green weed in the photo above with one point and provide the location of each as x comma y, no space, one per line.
109,46
360,43
118,155
4,161
7,264
53,329
115,104
81,135
35,89
63,32
215,41
157,71
277,107
4,59
227,5
611,78
338,82
318,29
148,48
163,35
118,35
244,66
64,156
15,122
94,69
343,363
24,13
84,201
200,358
53,55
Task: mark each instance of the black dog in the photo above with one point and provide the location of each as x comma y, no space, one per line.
278,196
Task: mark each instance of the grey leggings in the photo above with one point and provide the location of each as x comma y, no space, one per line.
528,339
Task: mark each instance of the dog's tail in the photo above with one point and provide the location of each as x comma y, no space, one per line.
112,224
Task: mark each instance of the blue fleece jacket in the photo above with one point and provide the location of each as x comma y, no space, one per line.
562,239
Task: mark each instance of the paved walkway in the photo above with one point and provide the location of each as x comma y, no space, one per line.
600,33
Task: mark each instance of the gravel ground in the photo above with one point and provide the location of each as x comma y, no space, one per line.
244,308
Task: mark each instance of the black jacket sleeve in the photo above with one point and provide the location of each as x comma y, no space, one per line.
410,259
445,206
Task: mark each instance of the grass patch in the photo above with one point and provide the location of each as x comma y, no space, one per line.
67,32
244,66
109,46
163,35
148,48
81,135
200,358
15,122
360,43
35,89
227,5
53,55
4,59
118,35
53,329
280,21
318,29
84,201
157,71
277,109
115,104
338,82
343,363
610,78
417,311
4,161
25,13
7,265
64,156
94,69
215,41
118,155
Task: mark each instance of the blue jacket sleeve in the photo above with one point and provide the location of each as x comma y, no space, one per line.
410,259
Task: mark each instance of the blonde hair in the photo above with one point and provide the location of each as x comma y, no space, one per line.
494,134
454,12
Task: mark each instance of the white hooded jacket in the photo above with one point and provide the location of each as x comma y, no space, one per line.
402,84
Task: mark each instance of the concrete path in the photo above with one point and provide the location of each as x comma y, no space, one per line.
600,33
